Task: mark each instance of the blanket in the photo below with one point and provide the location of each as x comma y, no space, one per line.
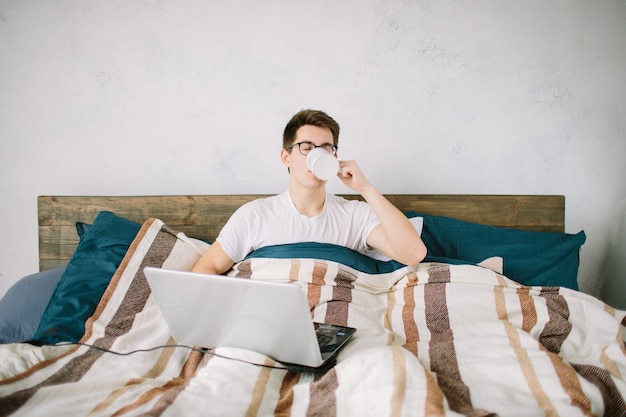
433,340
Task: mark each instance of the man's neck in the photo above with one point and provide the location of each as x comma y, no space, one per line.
308,202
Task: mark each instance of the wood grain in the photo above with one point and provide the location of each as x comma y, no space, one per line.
202,216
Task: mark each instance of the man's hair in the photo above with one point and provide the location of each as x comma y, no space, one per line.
309,117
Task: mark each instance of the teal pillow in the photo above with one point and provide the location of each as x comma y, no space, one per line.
329,252
82,229
530,258
97,256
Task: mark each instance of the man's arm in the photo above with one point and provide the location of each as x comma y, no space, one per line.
395,236
213,261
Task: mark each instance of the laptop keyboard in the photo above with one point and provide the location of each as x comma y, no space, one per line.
323,339
329,337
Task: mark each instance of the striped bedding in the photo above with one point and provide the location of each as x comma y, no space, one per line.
432,340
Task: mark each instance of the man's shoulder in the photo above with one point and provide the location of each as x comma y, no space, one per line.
270,200
263,203
342,200
351,205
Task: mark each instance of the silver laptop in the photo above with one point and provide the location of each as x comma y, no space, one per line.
266,317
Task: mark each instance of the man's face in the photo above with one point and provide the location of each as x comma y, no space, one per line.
296,162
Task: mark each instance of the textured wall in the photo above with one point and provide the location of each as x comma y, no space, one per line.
614,291
190,96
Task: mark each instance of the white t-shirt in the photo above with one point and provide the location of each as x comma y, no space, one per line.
275,220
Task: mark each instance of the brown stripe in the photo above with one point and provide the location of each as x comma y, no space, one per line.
528,309
609,364
193,362
166,393
294,270
337,308
399,381
318,276
120,324
244,269
528,370
434,405
167,399
258,392
285,396
322,401
500,303
439,273
388,319
614,404
189,370
567,377
117,276
408,315
443,361
521,354
138,292
571,384
156,370
558,327
314,289
72,372
39,365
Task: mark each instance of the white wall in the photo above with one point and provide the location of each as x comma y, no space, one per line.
613,288
191,96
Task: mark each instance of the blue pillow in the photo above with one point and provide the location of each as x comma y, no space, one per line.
24,303
329,252
530,258
97,256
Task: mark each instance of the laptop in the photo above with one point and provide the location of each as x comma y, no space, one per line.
266,317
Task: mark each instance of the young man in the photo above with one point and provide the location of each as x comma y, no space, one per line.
306,212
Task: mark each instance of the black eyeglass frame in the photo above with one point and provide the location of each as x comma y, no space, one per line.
306,142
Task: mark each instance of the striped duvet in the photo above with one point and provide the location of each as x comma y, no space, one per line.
434,340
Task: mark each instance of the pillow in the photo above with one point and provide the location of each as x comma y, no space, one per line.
530,258
23,304
329,252
82,228
97,256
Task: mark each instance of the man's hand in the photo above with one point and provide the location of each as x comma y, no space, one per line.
352,176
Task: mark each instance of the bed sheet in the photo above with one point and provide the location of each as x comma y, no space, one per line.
435,339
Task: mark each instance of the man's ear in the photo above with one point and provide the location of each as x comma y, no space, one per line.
285,157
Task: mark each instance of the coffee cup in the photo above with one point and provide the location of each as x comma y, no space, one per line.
322,164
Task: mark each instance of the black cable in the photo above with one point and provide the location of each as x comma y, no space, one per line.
193,348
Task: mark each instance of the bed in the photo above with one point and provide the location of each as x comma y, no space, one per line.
490,323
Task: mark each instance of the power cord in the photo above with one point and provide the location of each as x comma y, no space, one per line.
203,351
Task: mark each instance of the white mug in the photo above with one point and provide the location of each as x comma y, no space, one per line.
322,164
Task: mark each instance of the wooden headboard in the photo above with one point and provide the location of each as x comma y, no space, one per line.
202,216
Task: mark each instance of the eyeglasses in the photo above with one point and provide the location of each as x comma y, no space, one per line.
306,147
